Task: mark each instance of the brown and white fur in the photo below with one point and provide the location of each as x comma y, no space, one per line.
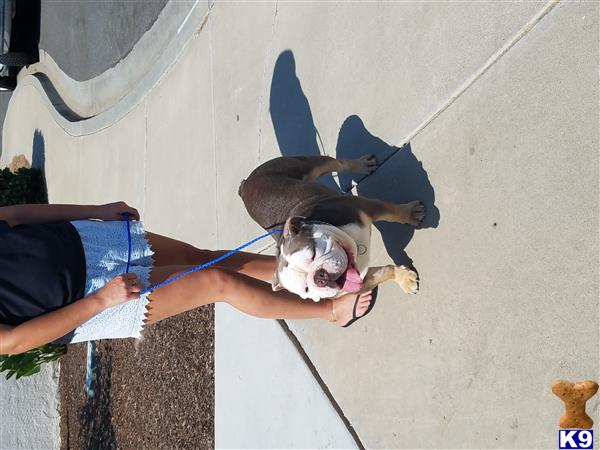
319,223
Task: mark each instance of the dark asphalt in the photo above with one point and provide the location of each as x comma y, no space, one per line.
87,37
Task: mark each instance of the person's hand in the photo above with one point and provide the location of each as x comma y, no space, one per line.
119,290
116,211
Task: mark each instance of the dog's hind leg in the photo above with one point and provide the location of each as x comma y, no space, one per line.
406,278
309,168
365,164
411,213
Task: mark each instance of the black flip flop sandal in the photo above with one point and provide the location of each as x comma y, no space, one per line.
371,305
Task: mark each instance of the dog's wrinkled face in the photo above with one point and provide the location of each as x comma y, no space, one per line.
314,263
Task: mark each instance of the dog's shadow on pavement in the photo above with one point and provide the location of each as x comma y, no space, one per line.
399,179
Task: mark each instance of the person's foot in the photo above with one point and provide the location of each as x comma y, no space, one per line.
343,307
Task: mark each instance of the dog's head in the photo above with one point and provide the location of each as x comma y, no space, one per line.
316,260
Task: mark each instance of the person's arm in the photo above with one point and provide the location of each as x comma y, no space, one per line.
31,214
53,325
48,327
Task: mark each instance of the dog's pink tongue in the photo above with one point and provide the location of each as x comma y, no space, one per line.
353,281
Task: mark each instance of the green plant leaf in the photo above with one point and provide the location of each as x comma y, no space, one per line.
33,370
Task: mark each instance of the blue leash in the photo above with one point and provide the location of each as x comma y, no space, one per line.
193,269
128,242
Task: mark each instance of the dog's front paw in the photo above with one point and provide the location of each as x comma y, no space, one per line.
407,279
417,213
366,164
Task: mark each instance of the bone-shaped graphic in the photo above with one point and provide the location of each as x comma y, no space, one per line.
575,395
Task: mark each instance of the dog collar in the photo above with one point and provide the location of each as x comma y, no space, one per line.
340,235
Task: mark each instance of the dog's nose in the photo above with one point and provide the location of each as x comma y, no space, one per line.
321,278
321,274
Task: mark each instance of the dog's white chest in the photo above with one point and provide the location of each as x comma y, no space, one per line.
362,237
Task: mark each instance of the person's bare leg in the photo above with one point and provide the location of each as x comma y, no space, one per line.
244,293
171,252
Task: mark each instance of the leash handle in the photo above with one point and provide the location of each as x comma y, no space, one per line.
193,269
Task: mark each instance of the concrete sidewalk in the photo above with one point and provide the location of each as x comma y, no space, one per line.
488,112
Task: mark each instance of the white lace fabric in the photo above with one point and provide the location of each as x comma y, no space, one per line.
105,246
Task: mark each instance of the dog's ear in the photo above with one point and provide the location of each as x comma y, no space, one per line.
275,284
292,226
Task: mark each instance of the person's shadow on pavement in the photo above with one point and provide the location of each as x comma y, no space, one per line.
291,116
38,158
399,179
38,152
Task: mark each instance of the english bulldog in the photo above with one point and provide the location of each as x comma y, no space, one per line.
323,251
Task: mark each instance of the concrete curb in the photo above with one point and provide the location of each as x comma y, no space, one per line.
85,107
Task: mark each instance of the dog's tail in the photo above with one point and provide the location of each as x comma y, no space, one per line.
241,188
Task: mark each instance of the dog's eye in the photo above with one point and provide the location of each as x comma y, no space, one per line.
306,290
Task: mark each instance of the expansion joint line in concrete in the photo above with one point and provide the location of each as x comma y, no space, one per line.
188,16
548,7
263,86
144,200
296,343
214,126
